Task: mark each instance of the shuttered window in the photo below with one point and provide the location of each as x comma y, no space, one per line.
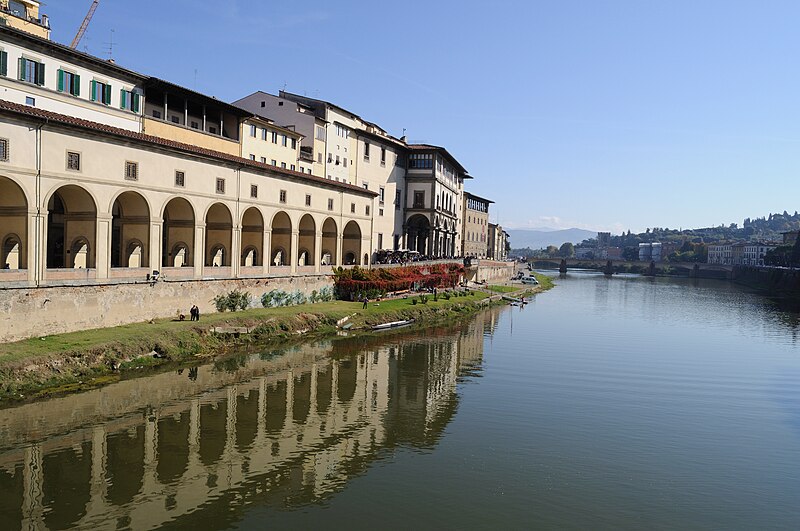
101,92
3,63
31,71
69,82
129,100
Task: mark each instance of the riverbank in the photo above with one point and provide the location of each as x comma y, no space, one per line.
53,365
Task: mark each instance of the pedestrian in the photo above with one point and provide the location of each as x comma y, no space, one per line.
196,313
366,301
192,312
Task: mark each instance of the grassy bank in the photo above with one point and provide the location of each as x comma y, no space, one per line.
51,365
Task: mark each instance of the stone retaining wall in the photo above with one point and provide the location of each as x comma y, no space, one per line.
36,312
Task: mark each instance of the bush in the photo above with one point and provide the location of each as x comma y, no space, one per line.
423,299
414,302
235,300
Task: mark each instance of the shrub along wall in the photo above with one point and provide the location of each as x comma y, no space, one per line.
352,284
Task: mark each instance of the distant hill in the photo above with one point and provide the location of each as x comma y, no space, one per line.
540,239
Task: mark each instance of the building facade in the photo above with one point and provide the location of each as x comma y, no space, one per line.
475,235
499,242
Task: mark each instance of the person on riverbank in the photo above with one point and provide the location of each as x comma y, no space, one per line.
366,301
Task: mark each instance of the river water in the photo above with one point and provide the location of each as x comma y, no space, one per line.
627,402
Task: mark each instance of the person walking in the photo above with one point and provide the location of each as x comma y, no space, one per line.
366,301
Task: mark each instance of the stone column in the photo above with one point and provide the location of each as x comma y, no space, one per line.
35,249
266,251
156,247
102,260
199,251
366,244
318,252
236,251
339,247
295,250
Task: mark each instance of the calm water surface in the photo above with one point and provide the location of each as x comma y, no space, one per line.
604,404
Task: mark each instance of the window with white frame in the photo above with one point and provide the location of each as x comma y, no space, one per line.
220,189
68,82
101,92
73,161
330,204
308,200
254,191
31,71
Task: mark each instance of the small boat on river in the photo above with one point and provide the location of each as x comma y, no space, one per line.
393,324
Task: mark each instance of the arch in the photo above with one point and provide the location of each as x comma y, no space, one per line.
418,229
330,237
351,243
252,237
13,225
178,233
307,241
219,236
281,245
130,231
71,229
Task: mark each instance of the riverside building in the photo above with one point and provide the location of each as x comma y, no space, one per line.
475,236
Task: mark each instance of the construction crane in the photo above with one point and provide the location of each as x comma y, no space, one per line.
85,25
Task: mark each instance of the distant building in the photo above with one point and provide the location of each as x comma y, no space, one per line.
790,237
583,253
742,253
720,254
650,252
475,236
498,240
603,240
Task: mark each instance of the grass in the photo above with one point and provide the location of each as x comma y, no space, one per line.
502,289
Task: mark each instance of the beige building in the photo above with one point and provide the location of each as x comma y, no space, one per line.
475,237
24,15
265,142
498,242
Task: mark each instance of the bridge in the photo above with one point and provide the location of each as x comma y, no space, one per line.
690,269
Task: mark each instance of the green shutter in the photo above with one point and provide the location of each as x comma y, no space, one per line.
21,69
108,95
94,90
135,107
40,73
76,79
60,82
3,63
123,98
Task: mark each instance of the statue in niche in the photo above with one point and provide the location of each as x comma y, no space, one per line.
302,260
278,259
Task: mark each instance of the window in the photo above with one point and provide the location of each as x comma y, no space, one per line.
253,131
131,171
337,160
294,143
330,204
130,100
282,196
353,208
366,210
180,179
73,161
330,158
366,150
380,212
308,200
292,167
254,191
4,150
31,71
101,92
212,129
69,82
175,119
274,162
264,134
365,185
274,137
3,63
283,165
252,157
420,161
220,185
284,140
419,199
383,156
263,160
344,161
30,101
381,195
397,198
319,158
320,133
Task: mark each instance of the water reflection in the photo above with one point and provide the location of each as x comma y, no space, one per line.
189,448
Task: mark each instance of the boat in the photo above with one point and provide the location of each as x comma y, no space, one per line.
530,280
393,324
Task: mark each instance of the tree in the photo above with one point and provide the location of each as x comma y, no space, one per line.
567,250
552,251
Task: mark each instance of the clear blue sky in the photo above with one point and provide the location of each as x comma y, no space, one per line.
615,115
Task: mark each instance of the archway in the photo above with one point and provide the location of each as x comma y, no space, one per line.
330,236
13,226
307,250
252,238
351,243
178,239
71,229
130,231
219,236
418,229
281,249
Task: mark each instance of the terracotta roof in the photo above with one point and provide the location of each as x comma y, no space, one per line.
33,112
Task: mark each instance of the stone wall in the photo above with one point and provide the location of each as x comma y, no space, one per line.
36,312
490,271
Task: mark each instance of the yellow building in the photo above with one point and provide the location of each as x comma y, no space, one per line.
24,15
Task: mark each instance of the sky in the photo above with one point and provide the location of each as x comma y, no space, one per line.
604,115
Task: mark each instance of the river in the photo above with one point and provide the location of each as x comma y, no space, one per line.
605,403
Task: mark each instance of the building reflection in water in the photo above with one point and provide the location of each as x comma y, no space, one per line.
280,429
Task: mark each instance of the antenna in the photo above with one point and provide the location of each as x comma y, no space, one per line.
111,46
